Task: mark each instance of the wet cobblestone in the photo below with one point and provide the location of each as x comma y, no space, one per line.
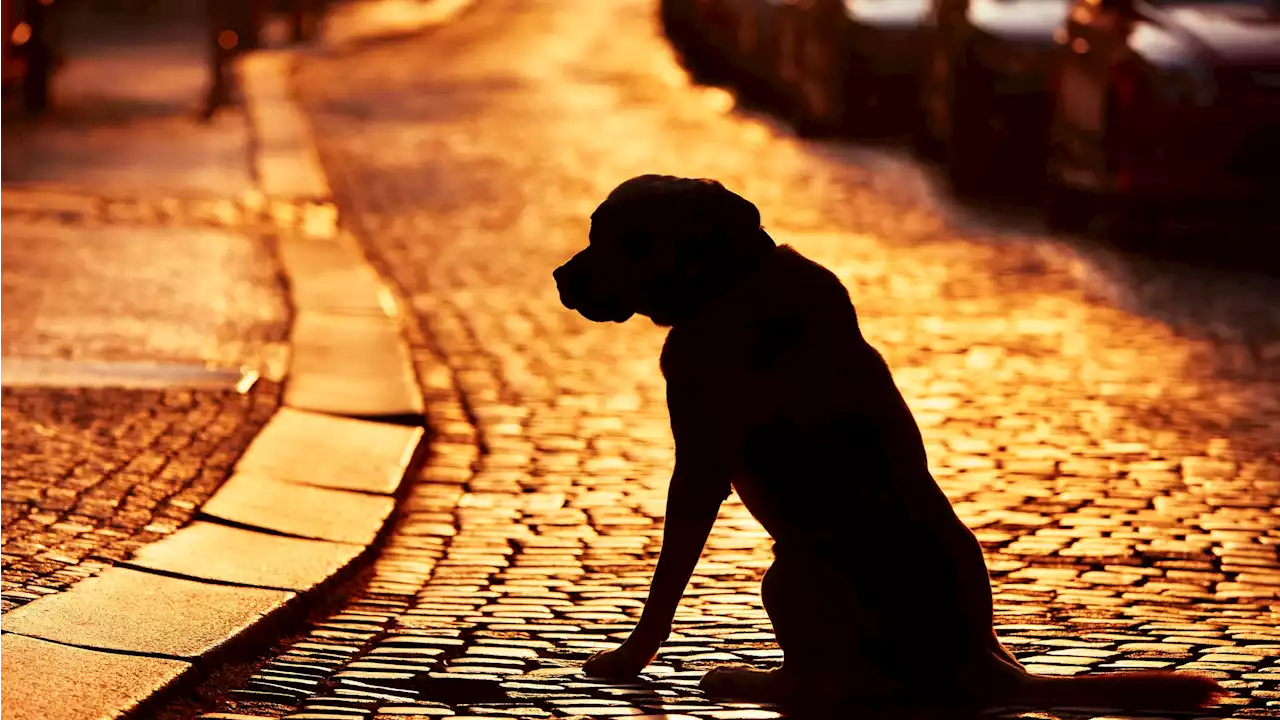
1119,466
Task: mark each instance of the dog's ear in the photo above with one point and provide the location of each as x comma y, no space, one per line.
687,240
709,231
719,234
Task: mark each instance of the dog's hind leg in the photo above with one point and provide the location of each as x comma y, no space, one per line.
813,607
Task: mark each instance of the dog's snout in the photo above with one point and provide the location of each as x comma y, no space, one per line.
567,284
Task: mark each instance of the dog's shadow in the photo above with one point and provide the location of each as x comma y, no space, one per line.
852,711
924,710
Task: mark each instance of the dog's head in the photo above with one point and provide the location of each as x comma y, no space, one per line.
662,246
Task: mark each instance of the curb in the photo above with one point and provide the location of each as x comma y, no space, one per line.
311,499
407,18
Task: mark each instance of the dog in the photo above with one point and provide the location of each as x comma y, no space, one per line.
878,592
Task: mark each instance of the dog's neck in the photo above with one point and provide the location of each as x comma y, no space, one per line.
697,297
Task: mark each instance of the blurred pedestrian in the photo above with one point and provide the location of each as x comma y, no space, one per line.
235,26
39,53
224,43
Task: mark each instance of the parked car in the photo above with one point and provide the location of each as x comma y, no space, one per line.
29,51
1164,103
678,21
758,46
731,41
848,64
708,35
984,87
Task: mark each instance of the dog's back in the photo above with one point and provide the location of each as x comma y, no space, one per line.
831,461
824,432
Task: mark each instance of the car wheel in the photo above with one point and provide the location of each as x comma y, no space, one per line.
924,143
1067,209
971,149
699,54
817,101
672,17
753,84
863,117
807,120
705,65
1131,223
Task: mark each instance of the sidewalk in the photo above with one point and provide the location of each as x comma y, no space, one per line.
197,379
91,196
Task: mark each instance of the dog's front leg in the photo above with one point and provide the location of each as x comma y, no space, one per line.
693,502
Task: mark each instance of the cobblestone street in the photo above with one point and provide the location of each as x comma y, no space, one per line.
1108,427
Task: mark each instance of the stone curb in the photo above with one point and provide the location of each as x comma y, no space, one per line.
406,19
273,537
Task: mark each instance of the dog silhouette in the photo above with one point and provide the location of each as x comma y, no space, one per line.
878,591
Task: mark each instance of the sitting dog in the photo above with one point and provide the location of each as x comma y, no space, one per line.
878,591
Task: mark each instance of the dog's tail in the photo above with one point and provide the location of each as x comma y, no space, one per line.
1146,690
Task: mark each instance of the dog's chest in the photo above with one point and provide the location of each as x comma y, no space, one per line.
755,367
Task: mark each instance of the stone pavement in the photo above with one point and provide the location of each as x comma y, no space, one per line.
350,23
126,241
1106,425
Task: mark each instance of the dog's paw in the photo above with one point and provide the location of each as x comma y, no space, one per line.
748,684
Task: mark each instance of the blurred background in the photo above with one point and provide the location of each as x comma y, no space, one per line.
1149,124
1131,119
1025,198
45,39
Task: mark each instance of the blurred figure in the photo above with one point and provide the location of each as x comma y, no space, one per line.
303,15
30,51
235,26
224,44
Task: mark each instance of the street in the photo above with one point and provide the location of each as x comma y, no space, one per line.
1107,425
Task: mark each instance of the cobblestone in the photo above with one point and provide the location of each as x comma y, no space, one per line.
90,475
1117,459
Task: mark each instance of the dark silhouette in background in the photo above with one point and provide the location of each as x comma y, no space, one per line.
30,51
35,41
774,392
235,27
